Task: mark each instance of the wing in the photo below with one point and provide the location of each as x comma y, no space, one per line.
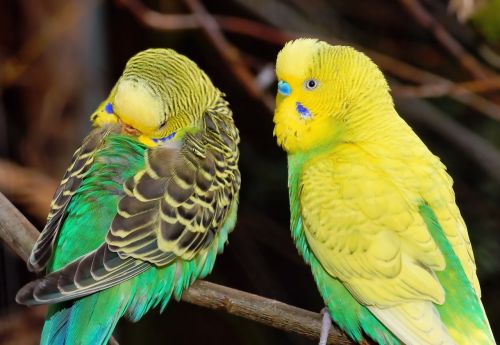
100,269
82,160
367,232
172,209
438,193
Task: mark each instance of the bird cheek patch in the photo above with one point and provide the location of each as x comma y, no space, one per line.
165,139
108,108
303,111
153,142
104,115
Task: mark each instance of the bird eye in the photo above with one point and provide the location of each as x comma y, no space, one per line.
311,84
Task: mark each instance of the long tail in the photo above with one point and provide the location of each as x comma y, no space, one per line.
86,321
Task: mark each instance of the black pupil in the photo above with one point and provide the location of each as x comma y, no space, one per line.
311,83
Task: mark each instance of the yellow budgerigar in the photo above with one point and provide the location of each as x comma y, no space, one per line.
372,209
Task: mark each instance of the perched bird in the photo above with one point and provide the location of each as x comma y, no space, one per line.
372,209
145,206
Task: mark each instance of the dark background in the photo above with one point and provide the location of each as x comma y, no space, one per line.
58,59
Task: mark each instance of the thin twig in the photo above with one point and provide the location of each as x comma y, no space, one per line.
447,89
389,64
471,144
20,235
212,26
225,48
166,22
157,20
425,19
400,69
251,28
408,72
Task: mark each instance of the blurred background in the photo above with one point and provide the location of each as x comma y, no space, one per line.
59,58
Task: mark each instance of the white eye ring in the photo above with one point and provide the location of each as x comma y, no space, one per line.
311,84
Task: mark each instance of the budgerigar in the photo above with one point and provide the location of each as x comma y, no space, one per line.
372,209
145,206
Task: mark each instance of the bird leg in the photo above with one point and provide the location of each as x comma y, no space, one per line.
326,324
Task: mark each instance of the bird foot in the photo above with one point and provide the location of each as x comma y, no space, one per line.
326,324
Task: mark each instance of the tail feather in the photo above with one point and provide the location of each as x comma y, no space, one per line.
89,320
54,330
415,323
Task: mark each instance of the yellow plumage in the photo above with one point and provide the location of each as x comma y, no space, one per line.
365,175
144,108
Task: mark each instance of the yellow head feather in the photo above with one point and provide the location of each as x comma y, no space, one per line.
348,86
159,92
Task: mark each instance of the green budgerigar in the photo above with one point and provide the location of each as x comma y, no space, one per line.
145,206
372,209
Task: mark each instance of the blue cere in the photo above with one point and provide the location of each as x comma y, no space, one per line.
303,111
164,139
108,108
284,88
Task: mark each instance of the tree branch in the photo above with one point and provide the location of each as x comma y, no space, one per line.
447,89
407,72
166,22
471,144
230,53
267,311
20,235
157,20
15,230
425,19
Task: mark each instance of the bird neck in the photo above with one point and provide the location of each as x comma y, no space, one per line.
376,123
377,130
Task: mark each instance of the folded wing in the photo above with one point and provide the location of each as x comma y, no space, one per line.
172,209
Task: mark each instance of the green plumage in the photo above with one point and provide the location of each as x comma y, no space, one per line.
460,297
93,207
133,222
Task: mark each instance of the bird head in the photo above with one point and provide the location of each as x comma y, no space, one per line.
324,92
159,93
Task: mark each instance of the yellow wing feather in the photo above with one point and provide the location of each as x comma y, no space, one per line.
367,231
438,193
363,224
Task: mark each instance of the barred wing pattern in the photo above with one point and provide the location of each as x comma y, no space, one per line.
82,160
172,209
100,269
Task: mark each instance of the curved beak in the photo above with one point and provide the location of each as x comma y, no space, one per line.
284,88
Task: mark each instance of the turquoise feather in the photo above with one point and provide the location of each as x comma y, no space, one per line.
91,319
